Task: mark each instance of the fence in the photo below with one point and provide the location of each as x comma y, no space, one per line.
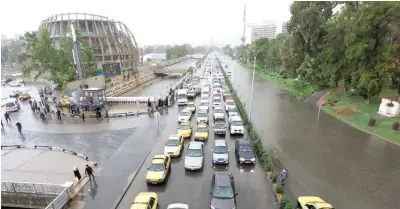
30,188
60,201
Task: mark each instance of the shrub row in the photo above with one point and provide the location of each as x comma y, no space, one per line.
262,154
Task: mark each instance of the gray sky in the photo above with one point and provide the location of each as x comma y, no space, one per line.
154,21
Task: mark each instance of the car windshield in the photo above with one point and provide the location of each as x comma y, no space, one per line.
218,111
10,104
220,149
203,115
182,96
184,127
194,153
173,142
185,113
232,110
245,148
230,103
204,98
202,129
219,125
223,192
156,167
217,100
237,123
190,105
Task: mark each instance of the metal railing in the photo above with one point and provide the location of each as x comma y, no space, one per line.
30,188
60,201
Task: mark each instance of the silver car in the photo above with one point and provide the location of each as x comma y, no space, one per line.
220,152
194,156
202,116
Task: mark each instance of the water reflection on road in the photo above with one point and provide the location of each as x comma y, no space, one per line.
326,158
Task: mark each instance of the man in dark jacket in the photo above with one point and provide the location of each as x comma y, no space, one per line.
89,172
19,126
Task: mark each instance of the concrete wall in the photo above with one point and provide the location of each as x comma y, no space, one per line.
26,201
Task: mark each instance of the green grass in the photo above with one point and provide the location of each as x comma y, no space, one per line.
352,110
273,76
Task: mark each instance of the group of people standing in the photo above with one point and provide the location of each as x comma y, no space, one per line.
168,100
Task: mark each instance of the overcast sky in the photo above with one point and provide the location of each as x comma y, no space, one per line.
154,21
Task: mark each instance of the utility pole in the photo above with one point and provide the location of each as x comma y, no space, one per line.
244,30
255,53
77,56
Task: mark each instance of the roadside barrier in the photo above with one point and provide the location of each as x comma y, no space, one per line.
45,147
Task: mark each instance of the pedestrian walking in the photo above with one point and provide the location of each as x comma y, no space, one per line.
148,105
77,174
157,115
7,116
2,126
19,126
283,177
83,116
59,114
89,172
98,114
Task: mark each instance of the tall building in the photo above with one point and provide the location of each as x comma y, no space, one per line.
265,30
284,27
112,41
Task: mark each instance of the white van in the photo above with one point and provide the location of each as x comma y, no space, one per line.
12,105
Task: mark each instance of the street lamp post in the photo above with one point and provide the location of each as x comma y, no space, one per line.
255,53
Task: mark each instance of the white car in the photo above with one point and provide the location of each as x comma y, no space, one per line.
14,84
191,93
205,98
194,157
203,106
219,113
236,126
178,206
233,111
202,116
185,115
229,104
217,102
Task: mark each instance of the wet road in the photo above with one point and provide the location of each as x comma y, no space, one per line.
193,187
325,157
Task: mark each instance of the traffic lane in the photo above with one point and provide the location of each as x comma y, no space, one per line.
193,187
325,156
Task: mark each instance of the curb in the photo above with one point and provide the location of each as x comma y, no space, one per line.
44,147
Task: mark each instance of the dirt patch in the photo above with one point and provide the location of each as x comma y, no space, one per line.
345,111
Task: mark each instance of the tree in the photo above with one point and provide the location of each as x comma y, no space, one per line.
41,56
178,51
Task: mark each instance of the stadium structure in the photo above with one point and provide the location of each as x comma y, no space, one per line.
112,41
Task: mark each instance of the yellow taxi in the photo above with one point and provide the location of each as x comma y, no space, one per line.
201,132
312,202
65,101
190,106
24,96
185,129
159,169
145,200
174,145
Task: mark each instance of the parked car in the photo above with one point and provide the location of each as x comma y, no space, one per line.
244,152
223,192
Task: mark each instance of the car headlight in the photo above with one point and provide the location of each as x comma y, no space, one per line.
253,159
241,159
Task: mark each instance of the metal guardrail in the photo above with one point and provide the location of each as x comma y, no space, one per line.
60,201
30,188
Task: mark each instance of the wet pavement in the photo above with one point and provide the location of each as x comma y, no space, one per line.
193,187
156,89
325,157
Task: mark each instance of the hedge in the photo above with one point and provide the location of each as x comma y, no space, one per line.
262,154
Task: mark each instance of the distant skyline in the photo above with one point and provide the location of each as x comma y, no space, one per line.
156,21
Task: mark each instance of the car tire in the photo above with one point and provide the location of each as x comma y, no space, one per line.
158,206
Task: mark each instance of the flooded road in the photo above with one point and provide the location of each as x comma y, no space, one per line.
325,157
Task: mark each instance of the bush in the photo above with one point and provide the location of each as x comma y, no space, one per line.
284,201
267,166
279,189
274,177
371,122
288,205
396,126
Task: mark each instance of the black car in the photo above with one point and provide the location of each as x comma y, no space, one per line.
244,152
223,192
